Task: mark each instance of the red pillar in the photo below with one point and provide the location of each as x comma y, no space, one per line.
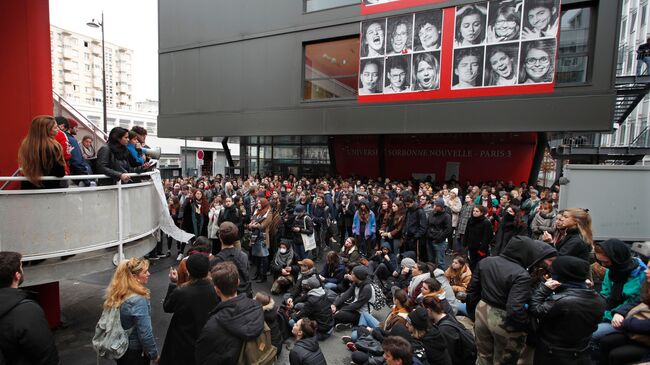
26,79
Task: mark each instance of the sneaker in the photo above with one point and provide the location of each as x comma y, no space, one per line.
343,326
351,346
346,339
179,257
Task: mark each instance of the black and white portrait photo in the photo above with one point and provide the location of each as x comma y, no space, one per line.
541,19
398,72
426,71
371,76
470,25
373,38
468,67
427,34
399,35
501,64
537,61
504,21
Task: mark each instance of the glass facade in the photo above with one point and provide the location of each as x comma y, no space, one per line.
284,155
574,49
330,69
315,5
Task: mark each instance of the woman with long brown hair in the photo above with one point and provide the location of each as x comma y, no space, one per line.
573,236
195,217
363,228
41,155
128,292
260,238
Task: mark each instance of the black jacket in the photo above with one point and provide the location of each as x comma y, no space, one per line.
568,317
346,215
230,214
25,337
435,347
317,307
415,226
452,338
307,352
191,305
504,282
306,226
573,245
240,260
361,300
478,234
114,161
507,230
438,226
230,324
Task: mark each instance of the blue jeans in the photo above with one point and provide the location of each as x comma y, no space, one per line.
300,251
439,257
462,309
330,286
604,329
368,320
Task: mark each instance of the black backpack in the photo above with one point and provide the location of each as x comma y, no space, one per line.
467,352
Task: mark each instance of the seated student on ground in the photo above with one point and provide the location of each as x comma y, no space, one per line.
298,294
317,307
459,276
383,263
461,351
347,315
333,271
306,350
284,268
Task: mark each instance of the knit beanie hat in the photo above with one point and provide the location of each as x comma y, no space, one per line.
198,265
419,319
569,268
312,282
408,262
361,272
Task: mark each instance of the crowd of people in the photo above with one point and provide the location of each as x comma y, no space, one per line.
418,273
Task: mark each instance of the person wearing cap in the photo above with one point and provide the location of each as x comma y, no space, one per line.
347,315
498,296
621,285
317,307
302,225
568,313
438,229
190,304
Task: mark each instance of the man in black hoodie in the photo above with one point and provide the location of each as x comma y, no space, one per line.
25,337
234,321
415,225
498,297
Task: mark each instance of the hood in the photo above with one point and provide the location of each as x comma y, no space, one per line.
270,306
527,252
9,298
310,344
241,316
317,292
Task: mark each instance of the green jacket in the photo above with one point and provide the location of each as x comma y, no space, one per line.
631,289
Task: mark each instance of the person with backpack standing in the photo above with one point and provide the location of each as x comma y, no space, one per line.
25,337
190,303
229,236
236,320
127,292
460,343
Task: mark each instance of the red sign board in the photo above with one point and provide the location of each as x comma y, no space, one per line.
200,154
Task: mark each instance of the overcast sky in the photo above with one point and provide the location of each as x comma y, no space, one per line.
129,23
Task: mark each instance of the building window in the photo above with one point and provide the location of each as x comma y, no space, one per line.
315,5
574,48
331,69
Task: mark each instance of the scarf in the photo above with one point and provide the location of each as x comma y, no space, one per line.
283,259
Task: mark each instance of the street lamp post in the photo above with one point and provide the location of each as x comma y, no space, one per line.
95,24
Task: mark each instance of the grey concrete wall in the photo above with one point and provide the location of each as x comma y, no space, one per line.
235,68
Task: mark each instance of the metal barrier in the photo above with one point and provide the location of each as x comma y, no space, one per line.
47,223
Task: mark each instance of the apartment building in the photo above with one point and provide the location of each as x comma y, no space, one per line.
77,70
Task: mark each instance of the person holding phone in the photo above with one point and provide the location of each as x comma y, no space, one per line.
115,161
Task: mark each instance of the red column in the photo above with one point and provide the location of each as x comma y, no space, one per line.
26,79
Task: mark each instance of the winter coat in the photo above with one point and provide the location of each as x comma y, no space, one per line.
415,224
230,325
631,289
333,273
464,216
114,161
350,258
78,166
504,282
271,320
449,296
370,226
320,216
188,223
542,223
567,316
438,226
455,206
306,227
346,214
478,234
459,280
191,305
573,245
25,336
317,308
237,257
361,295
507,230
435,347
452,339
230,214
393,226
306,351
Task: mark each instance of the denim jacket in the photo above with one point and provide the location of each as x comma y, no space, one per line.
136,312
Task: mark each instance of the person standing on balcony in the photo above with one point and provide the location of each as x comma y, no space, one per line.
643,57
114,159
40,154
25,336
78,165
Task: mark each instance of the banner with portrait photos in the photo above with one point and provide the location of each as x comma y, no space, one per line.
489,48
